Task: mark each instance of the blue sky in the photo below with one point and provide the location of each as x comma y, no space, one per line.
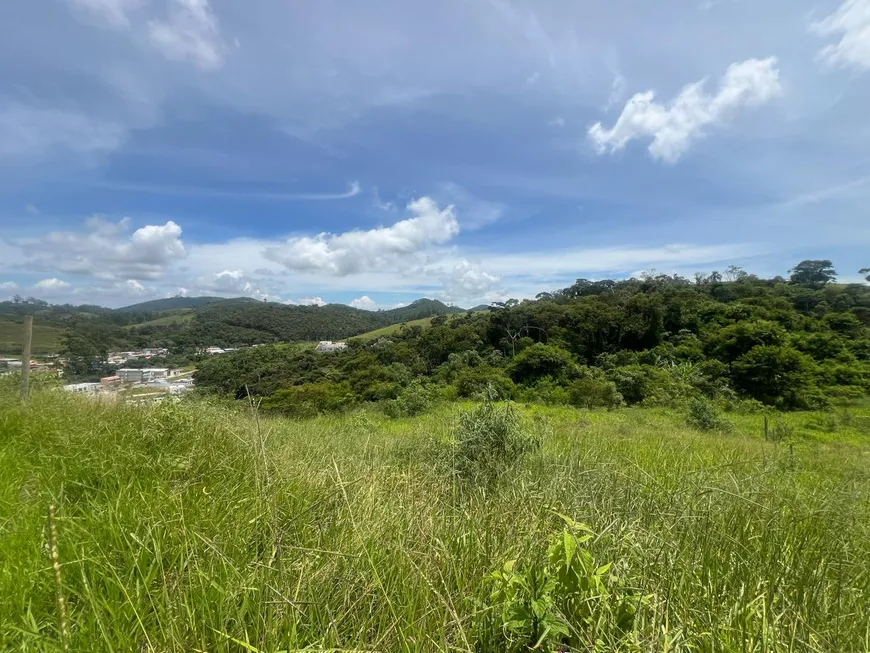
372,153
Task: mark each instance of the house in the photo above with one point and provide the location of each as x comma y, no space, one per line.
110,380
154,373
130,375
86,388
328,345
214,350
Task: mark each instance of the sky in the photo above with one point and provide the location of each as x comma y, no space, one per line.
371,153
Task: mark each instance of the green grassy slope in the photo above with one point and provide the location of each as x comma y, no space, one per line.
46,339
179,316
393,328
184,527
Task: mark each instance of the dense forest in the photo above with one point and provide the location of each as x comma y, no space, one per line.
795,343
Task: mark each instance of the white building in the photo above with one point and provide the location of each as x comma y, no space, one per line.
328,345
87,388
131,375
214,350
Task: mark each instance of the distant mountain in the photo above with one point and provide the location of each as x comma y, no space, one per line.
480,307
192,322
418,310
172,303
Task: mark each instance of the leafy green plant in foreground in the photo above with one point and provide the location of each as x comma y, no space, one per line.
566,602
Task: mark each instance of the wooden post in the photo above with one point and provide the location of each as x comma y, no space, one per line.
25,358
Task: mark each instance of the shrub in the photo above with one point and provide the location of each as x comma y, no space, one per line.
490,440
413,400
310,399
704,416
540,360
592,393
474,383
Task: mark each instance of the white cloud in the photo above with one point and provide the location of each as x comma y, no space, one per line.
114,13
311,301
182,292
102,250
674,127
234,282
31,209
469,280
852,22
190,33
52,284
365,303
33,131
376,249
134,287
558,121
8,285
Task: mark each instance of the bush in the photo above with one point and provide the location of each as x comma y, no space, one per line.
490,440
474,383
310,399
540,360
413,400
704,416
592,393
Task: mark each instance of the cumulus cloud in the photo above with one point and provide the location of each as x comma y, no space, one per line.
234,282
673,127
8,285
49,285
311,301
190,33
469,280
852,22
104,251
376,249
134,287
365,303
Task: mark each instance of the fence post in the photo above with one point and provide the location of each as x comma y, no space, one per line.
25,358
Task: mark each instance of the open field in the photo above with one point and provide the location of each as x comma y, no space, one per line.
181,527
178,316
46,339
387,331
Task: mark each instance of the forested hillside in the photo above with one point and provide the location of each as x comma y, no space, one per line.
193,323
796,343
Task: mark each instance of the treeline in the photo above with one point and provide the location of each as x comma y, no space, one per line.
794,343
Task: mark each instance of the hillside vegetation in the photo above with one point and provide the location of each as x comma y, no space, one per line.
741,344
46,339
184,324
194,527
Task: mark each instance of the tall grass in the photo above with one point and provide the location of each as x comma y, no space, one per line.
185,527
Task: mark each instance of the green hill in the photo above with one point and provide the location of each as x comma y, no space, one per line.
46,339
172,303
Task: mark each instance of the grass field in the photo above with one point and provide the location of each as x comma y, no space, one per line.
387,331
178,316
46,340
184,527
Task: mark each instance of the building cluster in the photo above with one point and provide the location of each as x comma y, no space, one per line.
328,345
121,357
8,365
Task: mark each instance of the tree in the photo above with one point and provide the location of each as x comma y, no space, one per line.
813,273
866,273
777,376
